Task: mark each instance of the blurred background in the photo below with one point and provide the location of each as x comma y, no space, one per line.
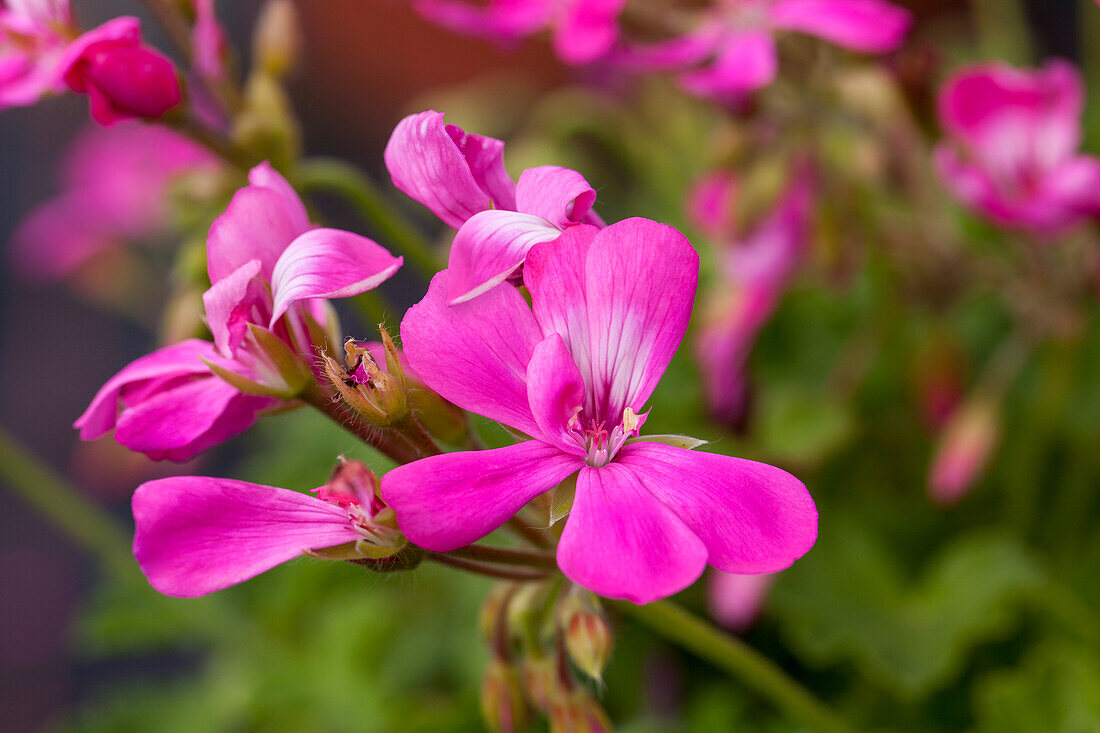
908,614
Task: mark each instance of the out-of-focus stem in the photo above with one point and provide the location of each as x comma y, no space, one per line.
68,509
754,670
330,174
217,143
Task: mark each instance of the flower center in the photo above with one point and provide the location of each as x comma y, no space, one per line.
600,443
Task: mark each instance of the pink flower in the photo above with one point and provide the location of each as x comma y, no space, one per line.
208,43
574,371
33,37
461,178
271,272
583,30
964,448
196,535
122,77
114,189
1013,149
735,600
734,48
753,274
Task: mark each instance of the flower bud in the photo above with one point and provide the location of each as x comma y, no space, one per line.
277,39
267,127
539,681
502,701
964,449
122,77
378,396
587,634
577,712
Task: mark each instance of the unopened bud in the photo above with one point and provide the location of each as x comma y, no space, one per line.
587,634
267,127
577,712
493,610
964,449
539,681
277,39
502,701
376,395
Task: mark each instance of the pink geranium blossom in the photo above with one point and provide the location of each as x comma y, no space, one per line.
1013,154
583,30
33,37
574,371
753,273
735,600
732,51
461,178
271,272
123,77
114,189
196,535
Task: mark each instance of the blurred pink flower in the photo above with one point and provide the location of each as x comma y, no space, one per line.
965,446
461,178
732,49
208,42
114,190
33,37
1012,153
583,30
609,309
753,273
196,535
735,600
271,272
122,76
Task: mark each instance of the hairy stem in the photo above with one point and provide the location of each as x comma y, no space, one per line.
741,661
472,566
344,179
503,556
387,440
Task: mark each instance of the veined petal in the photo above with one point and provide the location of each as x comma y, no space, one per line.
328,263
258,225
265,176
555,390
178,360
621,542
489,247
485,156
640,287
182,421
746,62
448,501
196,535
752,517
872,26
231,303
588,30
429,165
474,354
561,196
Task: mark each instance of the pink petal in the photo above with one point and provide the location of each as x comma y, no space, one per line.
1076,183
329,263
621,542
489,248
125,29
485,156
588,30
556,391
196,535
687,50
260,222
872,26
59,236
735,599
234,301
448,501
752,517
501,21
179,360
559,195
475,354
746,62
183,421
639,290
709,204
429,162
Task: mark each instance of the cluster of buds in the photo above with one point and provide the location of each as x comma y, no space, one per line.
534,632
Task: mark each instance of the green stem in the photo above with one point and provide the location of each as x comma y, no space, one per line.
329,174
69,510
730,654
504,556
490,571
